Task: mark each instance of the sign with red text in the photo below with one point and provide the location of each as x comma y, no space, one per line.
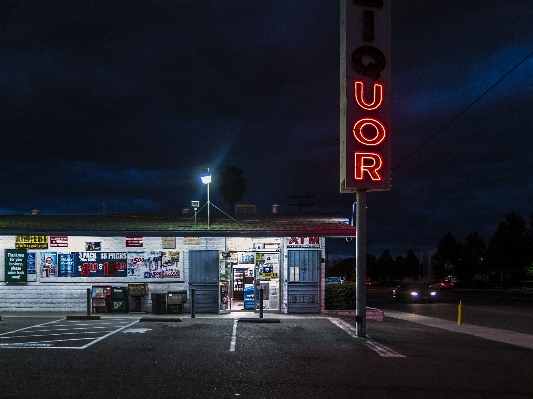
365,101
303,242
145,264
98,264
134,241
58,241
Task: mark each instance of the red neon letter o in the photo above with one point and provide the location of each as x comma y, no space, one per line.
377,125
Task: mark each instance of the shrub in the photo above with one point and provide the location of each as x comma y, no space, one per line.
340,296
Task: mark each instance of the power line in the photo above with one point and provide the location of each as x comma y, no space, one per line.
463,111
300,198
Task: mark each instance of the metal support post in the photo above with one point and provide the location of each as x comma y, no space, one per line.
88,301
192,303
360,264
261,303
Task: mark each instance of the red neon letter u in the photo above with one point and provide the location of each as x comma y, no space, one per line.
359,93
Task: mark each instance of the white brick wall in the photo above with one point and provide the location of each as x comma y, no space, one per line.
70,294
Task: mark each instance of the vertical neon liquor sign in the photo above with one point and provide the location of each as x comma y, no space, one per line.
365,156
365,115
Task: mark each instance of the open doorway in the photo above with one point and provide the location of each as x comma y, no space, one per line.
253,272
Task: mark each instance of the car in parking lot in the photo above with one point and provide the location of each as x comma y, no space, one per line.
414,293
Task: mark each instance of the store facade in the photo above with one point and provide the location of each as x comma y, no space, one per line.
137,262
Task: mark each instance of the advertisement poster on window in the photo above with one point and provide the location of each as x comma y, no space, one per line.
100,264
134,241
31,266
171,264
15,266
31,242
145,264
93,246
48,264
168,242
58,241
66,265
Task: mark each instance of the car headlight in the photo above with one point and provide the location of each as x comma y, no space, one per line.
433,293
414,293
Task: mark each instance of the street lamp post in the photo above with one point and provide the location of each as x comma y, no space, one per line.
195,205
206,179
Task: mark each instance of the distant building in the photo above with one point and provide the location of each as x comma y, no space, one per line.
424,258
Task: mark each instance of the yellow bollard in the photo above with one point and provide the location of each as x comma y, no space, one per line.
460,313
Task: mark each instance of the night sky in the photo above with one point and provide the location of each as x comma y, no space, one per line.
129,102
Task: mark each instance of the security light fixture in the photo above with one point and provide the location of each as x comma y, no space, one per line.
206,179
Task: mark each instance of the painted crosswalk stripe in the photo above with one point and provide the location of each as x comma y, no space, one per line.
380,349
234,335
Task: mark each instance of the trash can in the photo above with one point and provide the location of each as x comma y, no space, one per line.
159,303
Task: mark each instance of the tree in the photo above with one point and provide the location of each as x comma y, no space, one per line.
385,266
447,251
508,249
412,266
344,268
232,186
372,272
473,258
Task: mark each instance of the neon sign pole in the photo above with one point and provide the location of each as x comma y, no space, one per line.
364,117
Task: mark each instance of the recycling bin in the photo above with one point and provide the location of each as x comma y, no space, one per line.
119,299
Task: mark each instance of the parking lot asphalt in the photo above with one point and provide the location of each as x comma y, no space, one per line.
493,334
216,356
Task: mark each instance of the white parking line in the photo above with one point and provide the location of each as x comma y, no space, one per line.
107,335
380,349
234,336
26,328
78,332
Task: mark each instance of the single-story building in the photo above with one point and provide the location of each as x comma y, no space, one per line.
134,262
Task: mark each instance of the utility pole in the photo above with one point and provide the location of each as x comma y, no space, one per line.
300,204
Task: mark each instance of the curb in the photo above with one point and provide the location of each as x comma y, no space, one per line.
371,313
161,319
255,320
92,317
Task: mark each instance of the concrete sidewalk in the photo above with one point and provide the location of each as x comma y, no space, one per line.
493,334
138,315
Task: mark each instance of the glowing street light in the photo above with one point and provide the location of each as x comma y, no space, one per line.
206,179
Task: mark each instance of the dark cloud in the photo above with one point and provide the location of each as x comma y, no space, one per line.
128,102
